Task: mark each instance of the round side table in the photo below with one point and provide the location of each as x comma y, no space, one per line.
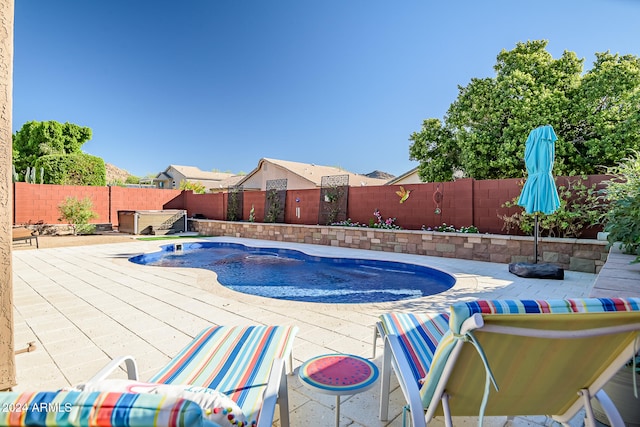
338,374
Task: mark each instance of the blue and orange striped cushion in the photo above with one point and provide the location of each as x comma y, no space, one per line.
419,334
76,409
462,311
234,360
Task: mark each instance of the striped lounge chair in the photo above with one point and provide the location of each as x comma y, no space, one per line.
247,364
509,358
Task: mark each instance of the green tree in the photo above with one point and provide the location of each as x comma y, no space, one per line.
606,113
72,169
196,187
596,116
37,139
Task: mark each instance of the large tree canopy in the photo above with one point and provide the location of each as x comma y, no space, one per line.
37,139
596,116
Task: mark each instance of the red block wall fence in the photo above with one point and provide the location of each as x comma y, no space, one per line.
459,203
39,202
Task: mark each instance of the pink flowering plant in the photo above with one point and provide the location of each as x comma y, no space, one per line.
380,222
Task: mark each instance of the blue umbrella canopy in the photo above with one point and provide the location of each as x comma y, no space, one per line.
539,194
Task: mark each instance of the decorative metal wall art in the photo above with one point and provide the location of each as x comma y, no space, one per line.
334,193
235,203
275,199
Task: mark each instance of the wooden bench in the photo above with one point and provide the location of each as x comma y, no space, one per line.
22,233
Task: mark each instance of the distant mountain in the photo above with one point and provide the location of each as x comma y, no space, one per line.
114,173
379,175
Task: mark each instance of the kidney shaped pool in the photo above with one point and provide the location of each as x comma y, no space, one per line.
293,275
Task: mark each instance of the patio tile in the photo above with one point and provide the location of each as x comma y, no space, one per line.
314,413
85,305
75,345
357,331
80,373
351,346
54,333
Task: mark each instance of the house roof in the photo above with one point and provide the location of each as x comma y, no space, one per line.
403,176
232,181
314,173
162,176
193,172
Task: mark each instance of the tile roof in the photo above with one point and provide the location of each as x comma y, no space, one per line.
314,173
193,172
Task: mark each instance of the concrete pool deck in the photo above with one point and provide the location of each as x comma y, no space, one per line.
85,305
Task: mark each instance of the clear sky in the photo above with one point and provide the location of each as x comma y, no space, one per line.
219,84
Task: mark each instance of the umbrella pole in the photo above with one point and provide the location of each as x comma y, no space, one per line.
535,241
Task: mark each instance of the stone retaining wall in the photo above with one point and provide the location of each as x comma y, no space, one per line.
571,254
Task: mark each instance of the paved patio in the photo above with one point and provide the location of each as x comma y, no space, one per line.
85,305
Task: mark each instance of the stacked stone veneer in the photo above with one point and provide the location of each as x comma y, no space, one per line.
571,254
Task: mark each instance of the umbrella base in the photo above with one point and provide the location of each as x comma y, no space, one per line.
537,271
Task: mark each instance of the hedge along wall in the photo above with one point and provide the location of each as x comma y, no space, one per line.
39,202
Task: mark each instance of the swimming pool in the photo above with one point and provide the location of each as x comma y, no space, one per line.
293,275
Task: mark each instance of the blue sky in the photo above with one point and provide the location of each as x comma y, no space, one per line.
220,84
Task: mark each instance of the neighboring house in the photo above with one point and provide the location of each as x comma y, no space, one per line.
299,176
174,175
409,177
224,185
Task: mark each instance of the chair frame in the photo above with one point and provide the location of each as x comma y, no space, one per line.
394,357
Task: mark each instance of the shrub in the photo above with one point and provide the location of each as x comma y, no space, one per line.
623,224
196,187
451,229
348,223
73,169
622,221
581,207
379,222
78,213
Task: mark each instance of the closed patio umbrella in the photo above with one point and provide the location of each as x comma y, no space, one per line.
539,194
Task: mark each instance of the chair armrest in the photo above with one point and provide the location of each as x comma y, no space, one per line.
405,378
270,398
610,410
131,369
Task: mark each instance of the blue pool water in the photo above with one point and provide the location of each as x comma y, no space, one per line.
293,275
